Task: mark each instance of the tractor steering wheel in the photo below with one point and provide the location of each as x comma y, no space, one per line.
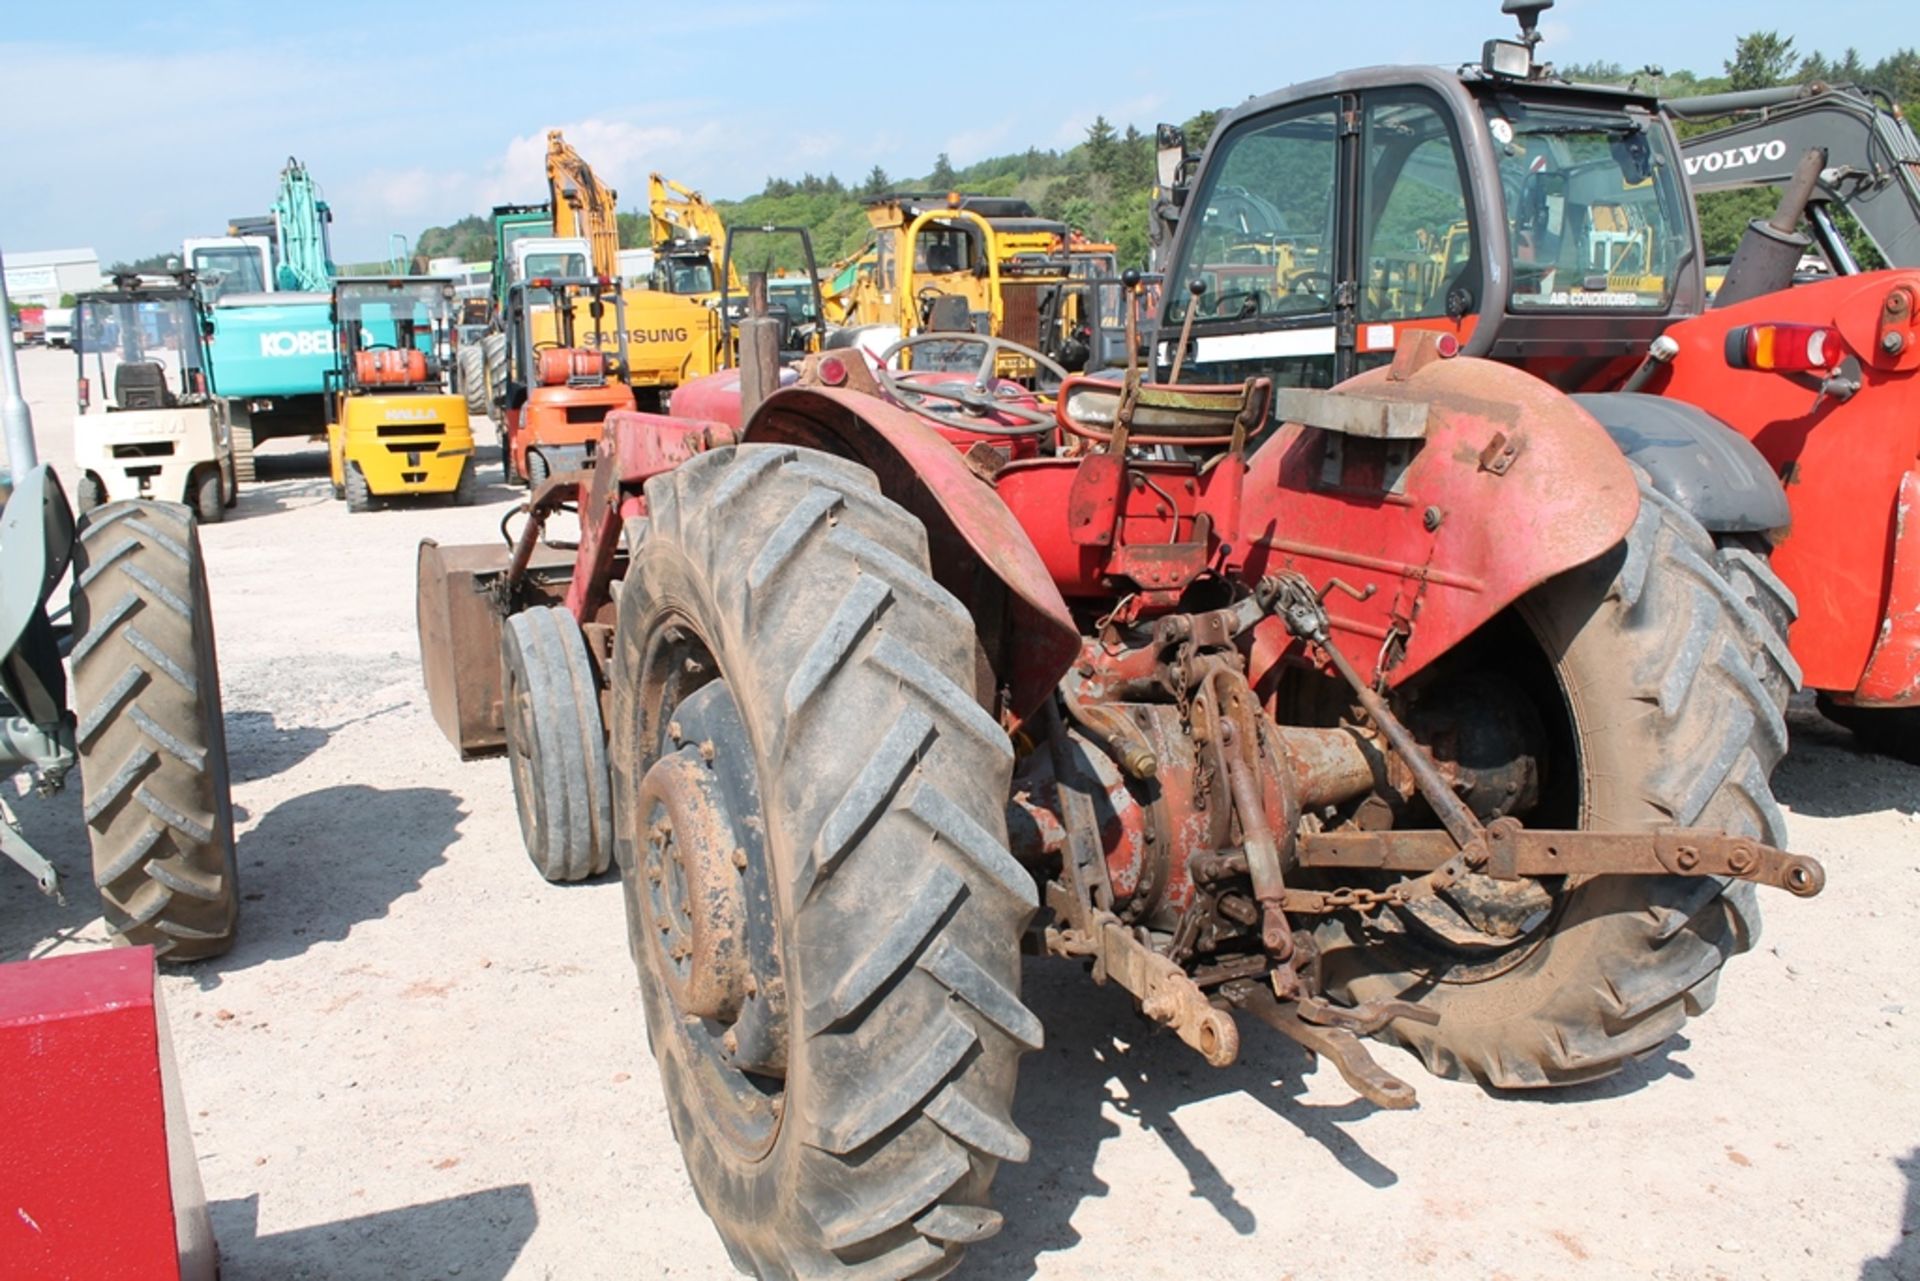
973,396
1317,285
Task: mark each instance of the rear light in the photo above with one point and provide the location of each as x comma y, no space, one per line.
541,282
1785,348
86,395
833,371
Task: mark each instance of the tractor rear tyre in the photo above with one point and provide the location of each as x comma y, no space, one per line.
150,734
1743,561
557,745
209,504
359,496
1890,731
812,838
537,469
1665,722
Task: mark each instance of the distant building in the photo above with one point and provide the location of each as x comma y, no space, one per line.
37,279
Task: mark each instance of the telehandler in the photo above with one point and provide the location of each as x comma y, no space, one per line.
1548,225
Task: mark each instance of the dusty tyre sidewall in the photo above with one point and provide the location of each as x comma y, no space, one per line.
768,1209
561,782
1672,727
168,797
359,497
208,502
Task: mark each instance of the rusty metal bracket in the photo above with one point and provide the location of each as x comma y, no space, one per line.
1166,994
1521,852
1339,1044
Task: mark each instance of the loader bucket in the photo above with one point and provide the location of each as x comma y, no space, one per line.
459,619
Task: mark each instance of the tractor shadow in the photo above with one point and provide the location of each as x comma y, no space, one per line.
323,862
479,1236
258,746
1828,774
1104,1071
1901,1262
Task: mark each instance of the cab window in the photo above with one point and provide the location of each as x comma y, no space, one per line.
1417,256
1263,241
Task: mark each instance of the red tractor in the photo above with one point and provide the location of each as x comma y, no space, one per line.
1548,225
1416,718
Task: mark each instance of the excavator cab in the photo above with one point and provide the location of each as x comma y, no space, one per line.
394,429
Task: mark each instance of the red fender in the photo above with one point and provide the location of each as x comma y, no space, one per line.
1512,484
979,551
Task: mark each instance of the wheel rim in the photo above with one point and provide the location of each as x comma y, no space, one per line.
703,896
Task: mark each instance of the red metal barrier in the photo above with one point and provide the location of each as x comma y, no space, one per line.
97,1174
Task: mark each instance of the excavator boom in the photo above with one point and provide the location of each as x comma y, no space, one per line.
583,206
1872,166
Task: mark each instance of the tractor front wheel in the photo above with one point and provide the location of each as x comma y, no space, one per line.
557,745
812,838
149,729
1647,682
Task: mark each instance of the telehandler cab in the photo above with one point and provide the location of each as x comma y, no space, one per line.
393,427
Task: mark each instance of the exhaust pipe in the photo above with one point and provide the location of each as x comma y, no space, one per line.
1770,251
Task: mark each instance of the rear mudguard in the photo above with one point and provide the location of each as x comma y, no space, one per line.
1846,464
1429,539
36,543
979,551
1892,678
1715,474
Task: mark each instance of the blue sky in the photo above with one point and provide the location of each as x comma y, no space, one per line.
130,126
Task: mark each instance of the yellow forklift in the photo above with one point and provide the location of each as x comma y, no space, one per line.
394,427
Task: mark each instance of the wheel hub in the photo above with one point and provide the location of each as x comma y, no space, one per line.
692,877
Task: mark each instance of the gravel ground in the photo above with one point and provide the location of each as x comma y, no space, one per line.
422,1062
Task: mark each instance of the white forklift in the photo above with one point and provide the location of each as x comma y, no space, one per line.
147,426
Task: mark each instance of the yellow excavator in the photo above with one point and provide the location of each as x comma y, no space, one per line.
689,242
672,335
952,262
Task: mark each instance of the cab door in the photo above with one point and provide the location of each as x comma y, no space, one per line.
1265,251
1420,266
1319,235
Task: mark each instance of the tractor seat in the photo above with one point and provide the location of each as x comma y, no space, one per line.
141,385
398,367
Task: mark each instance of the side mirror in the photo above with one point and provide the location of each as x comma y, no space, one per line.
1170,154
